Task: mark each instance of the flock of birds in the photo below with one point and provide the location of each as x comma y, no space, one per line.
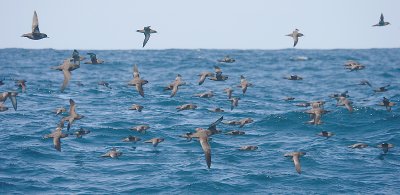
203,135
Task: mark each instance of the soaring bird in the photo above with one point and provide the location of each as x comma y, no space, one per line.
295,35
203,76
137,81
57,135
72,115
113,153
381,21
295,156
35,34
244,84
66,68
204,135
175,85
147,31
218,75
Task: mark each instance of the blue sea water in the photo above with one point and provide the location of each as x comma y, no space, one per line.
30,164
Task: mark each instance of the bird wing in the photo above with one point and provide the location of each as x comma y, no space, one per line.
202,79
174,89
146,38
135,72
72,107
382,19
213,126
13,99
244,87
297,163
57,143
67,77
35,23
296,39
152,31
139,88
206,148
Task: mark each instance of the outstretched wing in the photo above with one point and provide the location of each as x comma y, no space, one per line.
213,126
206,148
67,77
13,99
139,88
295,39
72,107
146,38
57,143
35,23
135,72
382,19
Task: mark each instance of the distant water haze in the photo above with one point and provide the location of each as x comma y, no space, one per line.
224,24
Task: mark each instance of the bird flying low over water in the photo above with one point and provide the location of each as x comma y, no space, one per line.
203,76
244,84
93,59
295,35
204,136
72,115
186,107
382,89
218,75
175,85
385,147
66,68
147,31
35,34
155,141
113,153
296,159
240,122
3,98
57,135
229,92
137,107
227,59
316,113
343,101
381,21
358,145
248,148
206,94
137,81
385,102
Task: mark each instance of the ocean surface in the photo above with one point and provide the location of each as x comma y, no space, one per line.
29,164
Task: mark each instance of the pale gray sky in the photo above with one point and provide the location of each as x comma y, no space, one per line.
212,24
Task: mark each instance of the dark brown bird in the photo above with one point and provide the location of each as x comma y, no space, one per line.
35,34
296,159
137,81
204,136
73,116
147,31
67,67
57,135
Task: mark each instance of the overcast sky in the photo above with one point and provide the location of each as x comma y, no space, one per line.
211,24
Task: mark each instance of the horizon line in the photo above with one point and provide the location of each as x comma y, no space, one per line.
151,49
